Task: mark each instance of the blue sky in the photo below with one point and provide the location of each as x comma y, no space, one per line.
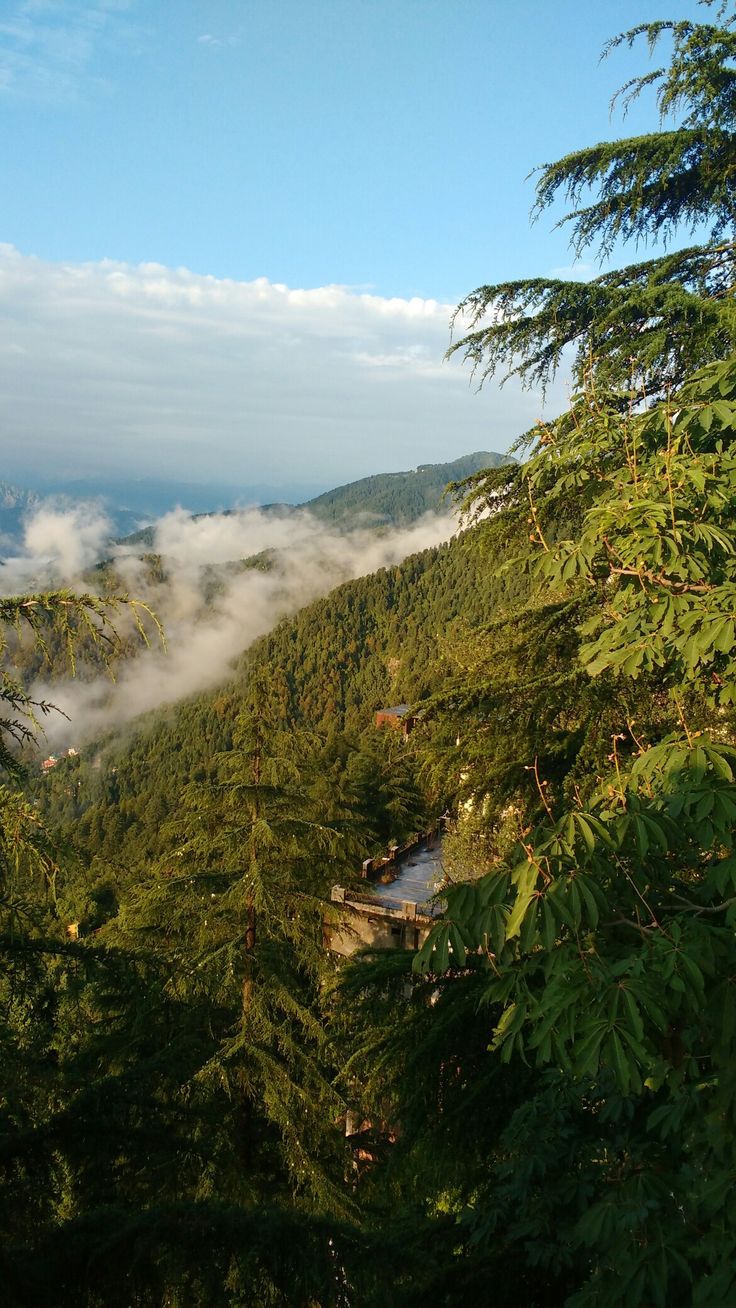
381,146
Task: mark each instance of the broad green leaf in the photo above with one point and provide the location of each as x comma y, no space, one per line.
526,879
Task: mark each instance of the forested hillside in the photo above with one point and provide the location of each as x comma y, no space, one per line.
388,499
396,636
399,497
544,1093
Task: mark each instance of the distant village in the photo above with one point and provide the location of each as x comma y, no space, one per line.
54,759
397,717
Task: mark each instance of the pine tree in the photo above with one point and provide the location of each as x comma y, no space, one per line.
597,742
236,913
657,320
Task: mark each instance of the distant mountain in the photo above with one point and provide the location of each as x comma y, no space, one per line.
15,502
389,498
129,502
19,503
398,498
15,497
144,499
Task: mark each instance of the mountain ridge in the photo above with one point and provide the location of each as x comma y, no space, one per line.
392,499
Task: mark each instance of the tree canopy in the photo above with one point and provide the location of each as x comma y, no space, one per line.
652,320
544,1094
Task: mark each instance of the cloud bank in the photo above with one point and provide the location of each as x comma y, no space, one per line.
152,371
204,633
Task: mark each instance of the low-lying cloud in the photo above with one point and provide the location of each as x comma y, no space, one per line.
210,612
64,543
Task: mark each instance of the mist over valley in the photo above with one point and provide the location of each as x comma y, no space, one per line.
216,581
367,808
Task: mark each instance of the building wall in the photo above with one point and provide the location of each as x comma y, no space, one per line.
350,927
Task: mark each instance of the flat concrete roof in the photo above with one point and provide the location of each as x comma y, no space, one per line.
420,875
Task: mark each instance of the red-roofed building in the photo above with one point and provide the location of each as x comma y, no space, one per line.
398,718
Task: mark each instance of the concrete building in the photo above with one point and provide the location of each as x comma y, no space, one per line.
397,911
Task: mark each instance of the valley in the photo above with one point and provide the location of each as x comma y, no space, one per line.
368,865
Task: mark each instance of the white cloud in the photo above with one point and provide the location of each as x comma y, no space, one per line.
217,42
160,371
66,541
48,47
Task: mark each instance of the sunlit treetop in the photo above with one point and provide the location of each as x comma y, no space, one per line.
648,186
653,321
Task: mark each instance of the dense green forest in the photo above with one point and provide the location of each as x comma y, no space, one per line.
546,1089
398,497
392,637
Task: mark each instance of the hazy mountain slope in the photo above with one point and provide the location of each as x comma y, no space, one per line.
391,498
15,503
399,497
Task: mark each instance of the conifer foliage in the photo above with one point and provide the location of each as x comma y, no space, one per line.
670,314
606,929
599,940
546,1093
